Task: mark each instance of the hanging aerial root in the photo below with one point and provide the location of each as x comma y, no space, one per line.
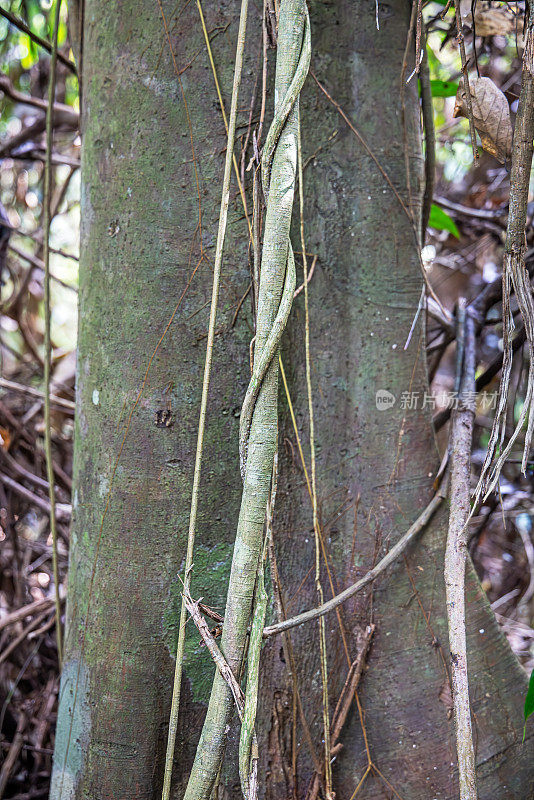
516,274
195,493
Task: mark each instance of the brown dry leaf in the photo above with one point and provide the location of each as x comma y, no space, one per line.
491,115
5,438
492,20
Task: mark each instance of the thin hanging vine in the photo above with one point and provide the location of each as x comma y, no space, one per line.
175,703
47,339
515,275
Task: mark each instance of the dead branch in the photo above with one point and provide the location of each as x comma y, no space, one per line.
419,524
456,552
63,510
25,611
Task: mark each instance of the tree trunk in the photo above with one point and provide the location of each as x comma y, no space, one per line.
364,296
139,247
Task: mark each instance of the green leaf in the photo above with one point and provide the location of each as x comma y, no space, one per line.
441,221
443,88
433,60
529,702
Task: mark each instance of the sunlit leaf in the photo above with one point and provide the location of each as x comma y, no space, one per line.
440,221
443,88
433,60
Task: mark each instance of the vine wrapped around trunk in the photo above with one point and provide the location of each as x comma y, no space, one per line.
259,429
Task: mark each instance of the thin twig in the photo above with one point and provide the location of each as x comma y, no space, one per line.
12,757
465,71
63,510
68,405
348,694
63,114
228,676
22,635
220,662
21,25
47,313
38,264
25,611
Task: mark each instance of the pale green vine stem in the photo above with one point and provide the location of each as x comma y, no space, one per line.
223,112
293,57
175,703
248,748
316,530
251,694
47,339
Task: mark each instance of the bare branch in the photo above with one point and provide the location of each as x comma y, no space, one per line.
455,556
306,616
21,25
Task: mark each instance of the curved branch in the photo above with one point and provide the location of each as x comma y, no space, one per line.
307,616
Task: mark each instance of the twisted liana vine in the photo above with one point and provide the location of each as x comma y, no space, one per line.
269,350
259,426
